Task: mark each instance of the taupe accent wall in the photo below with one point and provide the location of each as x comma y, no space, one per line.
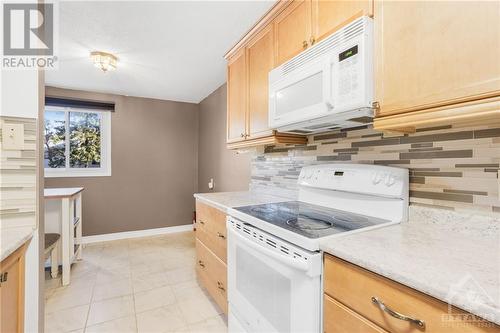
230,170
154,148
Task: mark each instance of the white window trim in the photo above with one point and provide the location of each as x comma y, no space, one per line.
105,169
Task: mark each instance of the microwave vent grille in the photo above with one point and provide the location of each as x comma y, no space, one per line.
352,30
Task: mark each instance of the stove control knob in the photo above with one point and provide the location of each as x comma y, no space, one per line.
377,178
390,180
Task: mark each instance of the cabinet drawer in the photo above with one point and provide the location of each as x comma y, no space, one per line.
211,229
355,287
340,319
212,273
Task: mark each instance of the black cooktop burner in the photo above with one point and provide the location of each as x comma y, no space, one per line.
309,220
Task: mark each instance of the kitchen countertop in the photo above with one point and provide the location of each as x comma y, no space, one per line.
13,238
454,257
226,200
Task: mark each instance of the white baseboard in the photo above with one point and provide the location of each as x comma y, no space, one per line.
136,234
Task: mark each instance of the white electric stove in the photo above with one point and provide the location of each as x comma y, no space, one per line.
274,262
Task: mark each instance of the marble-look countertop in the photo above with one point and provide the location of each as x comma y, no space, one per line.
454,257
226,200
13,238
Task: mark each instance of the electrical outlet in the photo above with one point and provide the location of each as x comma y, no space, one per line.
12,136
211,184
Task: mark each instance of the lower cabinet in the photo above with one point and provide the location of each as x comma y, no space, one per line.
212,273
357,300
211,252
12,292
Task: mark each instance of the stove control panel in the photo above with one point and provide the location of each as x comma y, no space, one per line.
357,178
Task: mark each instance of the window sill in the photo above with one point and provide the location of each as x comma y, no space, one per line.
75,174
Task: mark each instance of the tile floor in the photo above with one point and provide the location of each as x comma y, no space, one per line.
138,285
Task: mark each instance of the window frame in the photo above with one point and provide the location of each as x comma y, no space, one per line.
105,169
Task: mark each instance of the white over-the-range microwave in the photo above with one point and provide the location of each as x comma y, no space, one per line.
327,86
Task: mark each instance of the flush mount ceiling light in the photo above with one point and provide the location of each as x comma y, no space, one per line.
104,61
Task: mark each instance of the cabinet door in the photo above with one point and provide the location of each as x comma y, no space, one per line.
330,15
292,30
260,57
432,53
236,97
12,293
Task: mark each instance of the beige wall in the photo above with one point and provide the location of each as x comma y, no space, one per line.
154,166
230,171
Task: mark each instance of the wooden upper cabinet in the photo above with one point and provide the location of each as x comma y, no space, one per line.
260,59
236,97
330,15
431,53
292,29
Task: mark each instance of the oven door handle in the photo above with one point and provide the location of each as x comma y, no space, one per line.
299,265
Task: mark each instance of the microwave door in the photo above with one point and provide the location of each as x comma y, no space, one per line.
299,96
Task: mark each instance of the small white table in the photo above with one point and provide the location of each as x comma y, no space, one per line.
69,224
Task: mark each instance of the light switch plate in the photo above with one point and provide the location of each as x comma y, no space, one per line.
12,136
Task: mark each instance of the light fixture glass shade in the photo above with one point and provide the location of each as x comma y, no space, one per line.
104,61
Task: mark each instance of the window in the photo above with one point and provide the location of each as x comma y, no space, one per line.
77,142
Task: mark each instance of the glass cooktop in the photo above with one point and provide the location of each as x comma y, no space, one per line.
309,220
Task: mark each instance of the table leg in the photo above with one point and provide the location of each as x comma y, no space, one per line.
66,251
78,201
54,260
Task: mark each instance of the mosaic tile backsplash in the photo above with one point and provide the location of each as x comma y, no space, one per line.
452,168
18,181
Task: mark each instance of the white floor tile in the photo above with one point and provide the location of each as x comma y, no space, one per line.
149,281
179,275
195,310
110,309
163,319
157,293
112,289
154,298
66,320
120,325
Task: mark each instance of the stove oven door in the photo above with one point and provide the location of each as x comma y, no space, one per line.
269,290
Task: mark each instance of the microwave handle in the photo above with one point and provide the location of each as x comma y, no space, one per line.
327,85
299,265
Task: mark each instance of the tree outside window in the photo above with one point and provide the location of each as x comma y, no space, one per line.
73,139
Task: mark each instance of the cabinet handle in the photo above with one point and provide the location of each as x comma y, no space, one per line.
395,314
3,277
221,235
220,286
201,263
312,40
304,44
201,222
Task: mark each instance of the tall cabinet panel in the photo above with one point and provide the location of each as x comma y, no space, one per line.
260,58
236,97
431,53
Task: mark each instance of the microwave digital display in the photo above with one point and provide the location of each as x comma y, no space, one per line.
348,53
338,173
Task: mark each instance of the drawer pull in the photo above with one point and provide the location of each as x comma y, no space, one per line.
221,235
201,222
395,314
220,286
201,263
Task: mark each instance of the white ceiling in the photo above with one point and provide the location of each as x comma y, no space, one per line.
166,50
